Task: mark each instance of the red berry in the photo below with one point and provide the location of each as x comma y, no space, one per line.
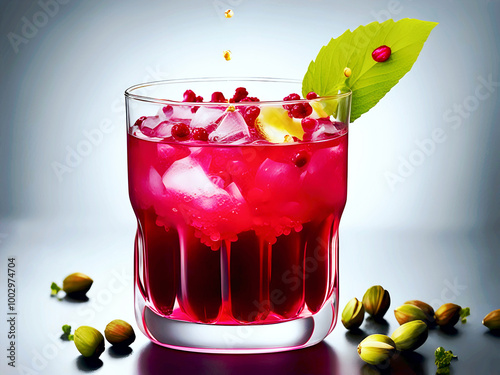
300,110
240,94
200,134
218,97
250,115
140,120
301,158
308,108
199,99
308,124
189,96
293,96
250,99
312,95
381,54
180,131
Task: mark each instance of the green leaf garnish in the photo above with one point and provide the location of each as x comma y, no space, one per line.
464,313
54,289
67,333
369,80
443,360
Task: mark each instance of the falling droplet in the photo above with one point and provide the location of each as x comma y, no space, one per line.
229,13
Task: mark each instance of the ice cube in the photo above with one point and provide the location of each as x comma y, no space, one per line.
204,116
232,128
325,129
149,124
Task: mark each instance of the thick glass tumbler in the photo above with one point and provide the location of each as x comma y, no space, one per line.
238,206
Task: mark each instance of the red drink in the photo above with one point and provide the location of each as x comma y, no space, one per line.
236,233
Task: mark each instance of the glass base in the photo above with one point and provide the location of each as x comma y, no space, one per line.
237,339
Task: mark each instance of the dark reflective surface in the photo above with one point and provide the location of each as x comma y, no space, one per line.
317,360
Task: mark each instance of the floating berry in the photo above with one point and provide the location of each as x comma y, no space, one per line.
218,97
140,120
250,115
287,98
227,55
200,134
228,13
250,99
301,158
309,124
347,72
381,54
181,131
240,94
301,110
311,95
189,96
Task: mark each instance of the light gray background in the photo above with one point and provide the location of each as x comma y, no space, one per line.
437,226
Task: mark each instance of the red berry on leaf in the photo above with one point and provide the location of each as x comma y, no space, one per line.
180,131
381,54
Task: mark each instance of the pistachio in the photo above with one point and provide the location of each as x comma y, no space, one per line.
407,313
426,308
447,315
411,335
376,301
492,320
376,349
89,341
77,283
353,314
119,333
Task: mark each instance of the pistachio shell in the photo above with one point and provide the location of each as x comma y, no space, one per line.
492,320
376,349
426,308
376,301
407,313
411,335
119,333
447,315
89,341
77,283
353,314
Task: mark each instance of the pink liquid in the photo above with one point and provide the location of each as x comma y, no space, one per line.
237,234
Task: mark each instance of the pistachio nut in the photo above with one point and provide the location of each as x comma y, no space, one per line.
376,301
376,349
411,335
119,333
492,320
447,315
89,341
353,314
407,313
426,308
77,283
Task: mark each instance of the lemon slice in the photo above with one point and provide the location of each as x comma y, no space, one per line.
325,108
274,124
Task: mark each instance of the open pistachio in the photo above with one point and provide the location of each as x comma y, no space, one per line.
447,315
77,283
376,349
407,313
119,333
411,335
89,341
353,314
376,301
492,320
426,308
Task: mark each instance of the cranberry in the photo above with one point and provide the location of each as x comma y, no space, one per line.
301,158
250,115
140,121
199,99
218,97
200,134
189,96
381,53
312,95
240,94
301,110
293,96
250,99
308,124
180,131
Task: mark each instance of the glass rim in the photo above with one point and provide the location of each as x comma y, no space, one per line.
149,99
